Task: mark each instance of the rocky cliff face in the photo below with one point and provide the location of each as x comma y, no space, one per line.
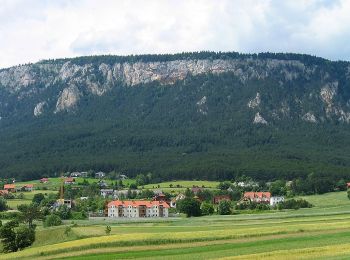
76,80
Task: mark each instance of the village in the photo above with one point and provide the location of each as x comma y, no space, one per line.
99,197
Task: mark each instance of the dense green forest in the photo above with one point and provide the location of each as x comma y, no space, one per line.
161,129
167,130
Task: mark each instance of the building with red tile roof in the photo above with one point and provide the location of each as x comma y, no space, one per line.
10,187
217,199
137,209
44,180
27,187
69,180
3,192
258,197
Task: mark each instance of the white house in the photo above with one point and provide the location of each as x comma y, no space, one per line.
137,209
100,175
173,202
276,199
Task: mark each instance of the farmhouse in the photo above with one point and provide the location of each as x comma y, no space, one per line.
10,187
61,202
69,180
137,209
3,192
26,187
217,199
100,175
44,180
180,196
160,197
257,197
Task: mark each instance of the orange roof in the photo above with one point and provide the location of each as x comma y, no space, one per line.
69,179
252,195
29,186
9,186
137,203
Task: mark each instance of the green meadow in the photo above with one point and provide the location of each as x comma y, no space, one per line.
322,232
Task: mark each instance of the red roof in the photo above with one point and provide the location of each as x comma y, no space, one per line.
137,203
69,179
44,179
9,186
3,192
260,195
348,184
28,186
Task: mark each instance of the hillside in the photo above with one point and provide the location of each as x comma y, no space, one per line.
186,116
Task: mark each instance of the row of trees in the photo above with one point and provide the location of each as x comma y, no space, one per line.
193,208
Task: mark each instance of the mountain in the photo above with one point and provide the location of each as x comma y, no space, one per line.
191,115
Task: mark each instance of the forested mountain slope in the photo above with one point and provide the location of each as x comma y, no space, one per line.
190,115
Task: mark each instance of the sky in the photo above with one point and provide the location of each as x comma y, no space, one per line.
32,30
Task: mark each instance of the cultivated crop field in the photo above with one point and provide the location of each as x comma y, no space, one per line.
322,232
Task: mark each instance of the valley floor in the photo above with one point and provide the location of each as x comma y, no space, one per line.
322,232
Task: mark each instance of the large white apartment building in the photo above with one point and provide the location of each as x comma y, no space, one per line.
137,209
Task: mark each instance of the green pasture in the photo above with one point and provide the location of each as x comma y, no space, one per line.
28,197
182,185
322,232
55,183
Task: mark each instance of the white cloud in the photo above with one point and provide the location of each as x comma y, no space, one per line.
31,30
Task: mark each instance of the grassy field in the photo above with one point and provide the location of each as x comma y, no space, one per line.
181,185
28,197
55,183
322,232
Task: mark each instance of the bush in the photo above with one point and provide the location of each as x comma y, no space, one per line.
224,207
9,215
78,215
108,230
3,204
38,198
207,208
294,204
189,206
52,220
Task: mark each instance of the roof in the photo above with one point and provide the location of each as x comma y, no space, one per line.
137,203
2,192
44,179
28,185
9,186
252,195
69,179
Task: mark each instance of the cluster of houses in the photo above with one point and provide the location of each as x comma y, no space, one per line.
11,188
159,206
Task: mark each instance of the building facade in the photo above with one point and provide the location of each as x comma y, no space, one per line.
137,209
276,199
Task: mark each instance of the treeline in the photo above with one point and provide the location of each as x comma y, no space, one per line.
112,59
